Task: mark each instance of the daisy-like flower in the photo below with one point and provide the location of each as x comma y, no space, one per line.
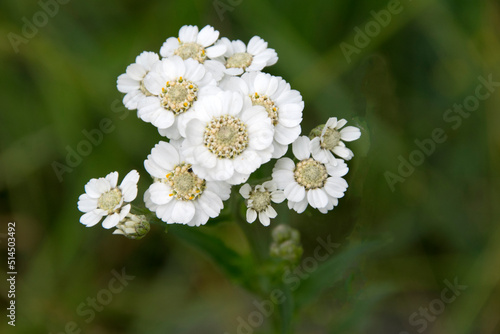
332,140
179,195
198,45
284,105
132,81
258,200
241,58
310,181
103,198
177,84
227,139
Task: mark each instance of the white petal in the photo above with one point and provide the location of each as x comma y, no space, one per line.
126,84
207,36
183,212
96,187
277,196
340,124
168,48
124,211
222,189
188,34
286,135
147,59
163,119
256,45
350,133
294,192
136,71
343,152
245,190
279,150
251,215
210,203
283,178
247,162
149,107
92,218
86,203
340,169
160,193
154,82
331,123
238,46
334,189
194,70
317,198
164,212
205,157
300,148
285,163
131,99
200,217
129,186
165,155
111,221
271,212
299,207
216,51
264,218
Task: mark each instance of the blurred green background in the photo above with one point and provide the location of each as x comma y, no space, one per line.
440,224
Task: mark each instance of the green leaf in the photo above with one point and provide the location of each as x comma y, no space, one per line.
331,271
233,264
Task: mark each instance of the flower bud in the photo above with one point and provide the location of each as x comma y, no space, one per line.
317,131
286,244
283,232
133,227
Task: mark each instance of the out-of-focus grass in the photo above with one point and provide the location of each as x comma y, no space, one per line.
441,223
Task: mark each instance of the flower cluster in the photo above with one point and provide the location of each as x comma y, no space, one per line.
221,118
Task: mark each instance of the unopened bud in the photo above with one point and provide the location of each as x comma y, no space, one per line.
286,244
317,131
283,232
133,227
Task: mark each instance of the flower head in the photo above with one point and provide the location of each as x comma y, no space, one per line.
310,181
283,105
227,139
103,198
195,44
331,140
179,195
258,200
241,58
132,81
176,85
198,45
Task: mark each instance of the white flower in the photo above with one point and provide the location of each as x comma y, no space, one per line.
284,106
332,140
132,83
179,195
258,200
241,58
197,45
227,139
177,84
104,198
310,181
